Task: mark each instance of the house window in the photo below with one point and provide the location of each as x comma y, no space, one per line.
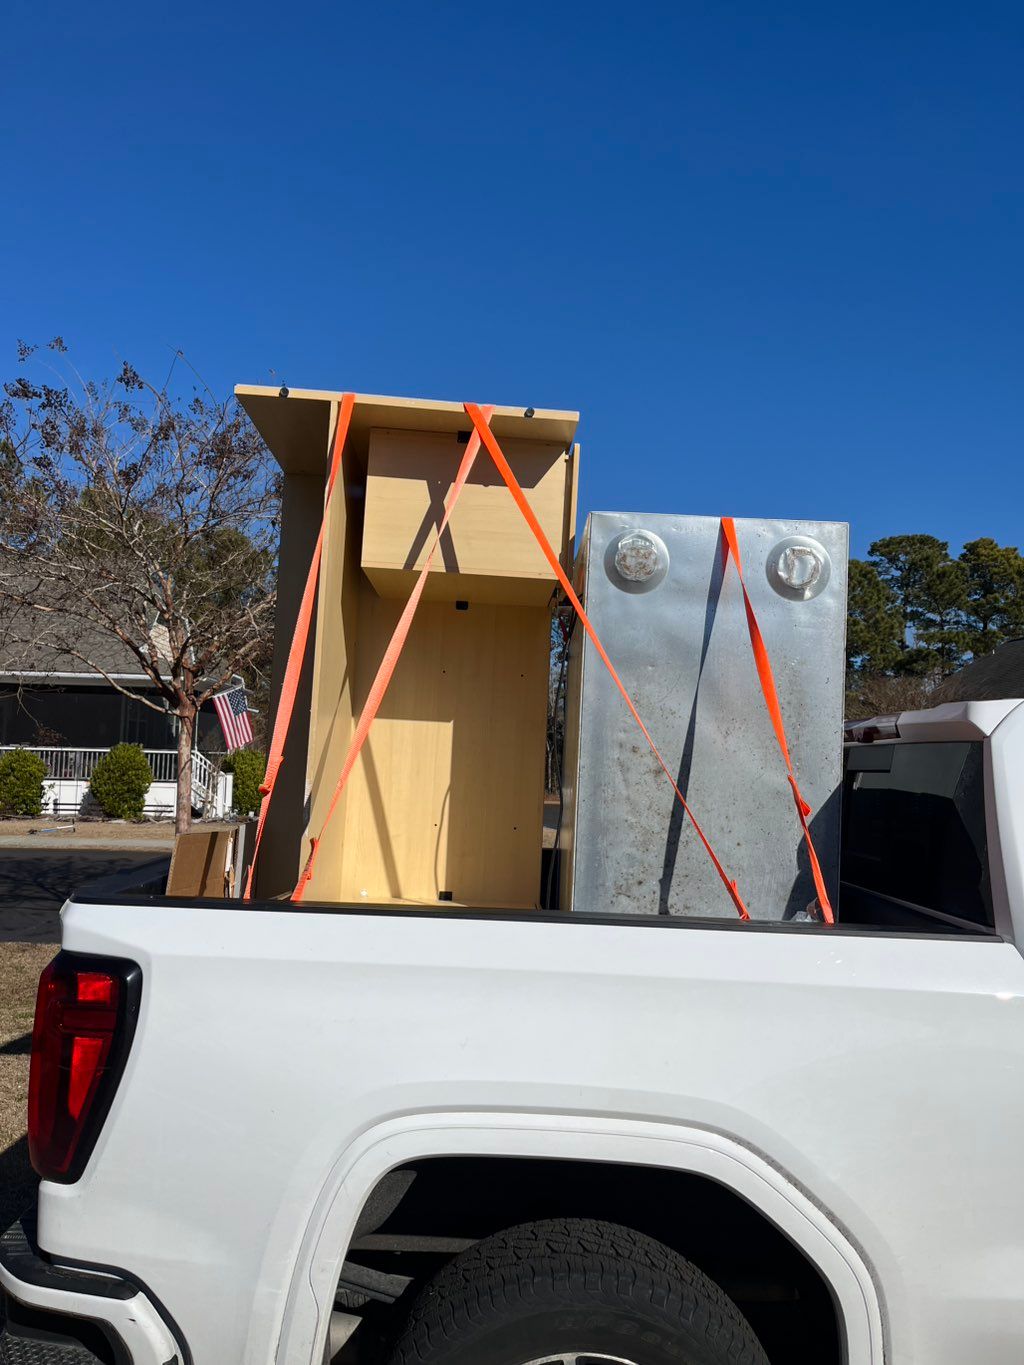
133,722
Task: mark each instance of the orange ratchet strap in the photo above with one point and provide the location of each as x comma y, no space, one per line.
297,649
388,663
481,417
505,470
766,677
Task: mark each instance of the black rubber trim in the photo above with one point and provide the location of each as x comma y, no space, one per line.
45,1336
143,885
141,1287
102,1281
20,1257
106,893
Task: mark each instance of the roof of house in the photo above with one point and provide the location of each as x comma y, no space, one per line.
38,642
997,676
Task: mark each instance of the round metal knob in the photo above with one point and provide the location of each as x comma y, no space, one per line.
637,557
636,560
799,568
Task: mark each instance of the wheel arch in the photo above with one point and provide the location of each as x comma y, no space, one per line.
406,1140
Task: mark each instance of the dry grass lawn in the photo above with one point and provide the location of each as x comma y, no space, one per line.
20,965
37,832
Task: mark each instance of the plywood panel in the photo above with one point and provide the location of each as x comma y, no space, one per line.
448,793
456,587
294,426
280,852
409,477
572,496
331,719
496,815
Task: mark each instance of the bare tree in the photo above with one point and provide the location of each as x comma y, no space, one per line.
143,514
881,694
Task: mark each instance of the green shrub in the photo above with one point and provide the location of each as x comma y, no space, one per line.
248,767
21,783
120,782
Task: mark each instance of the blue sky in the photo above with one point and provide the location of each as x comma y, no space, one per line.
772,252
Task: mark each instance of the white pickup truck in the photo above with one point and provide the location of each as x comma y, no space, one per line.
277,1134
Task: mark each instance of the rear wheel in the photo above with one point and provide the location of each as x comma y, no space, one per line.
574,1292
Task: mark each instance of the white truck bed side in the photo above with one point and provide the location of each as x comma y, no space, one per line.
879,1072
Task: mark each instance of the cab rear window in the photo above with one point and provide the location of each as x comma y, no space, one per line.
914,827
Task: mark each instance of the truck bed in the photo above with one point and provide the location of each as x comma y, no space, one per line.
286,1059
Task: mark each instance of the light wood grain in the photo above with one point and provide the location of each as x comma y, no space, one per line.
295,427
496,589
409,479
448,792
281,850
333,714
447,795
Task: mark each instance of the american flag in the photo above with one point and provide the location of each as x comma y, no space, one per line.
233,714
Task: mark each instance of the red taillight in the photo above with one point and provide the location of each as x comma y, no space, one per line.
85,1015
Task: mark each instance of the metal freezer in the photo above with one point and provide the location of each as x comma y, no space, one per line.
672,619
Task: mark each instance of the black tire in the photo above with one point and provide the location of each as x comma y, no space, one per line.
565,1288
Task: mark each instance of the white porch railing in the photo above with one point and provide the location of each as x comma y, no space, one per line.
66,787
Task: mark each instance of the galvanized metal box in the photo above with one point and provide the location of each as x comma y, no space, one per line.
671,617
